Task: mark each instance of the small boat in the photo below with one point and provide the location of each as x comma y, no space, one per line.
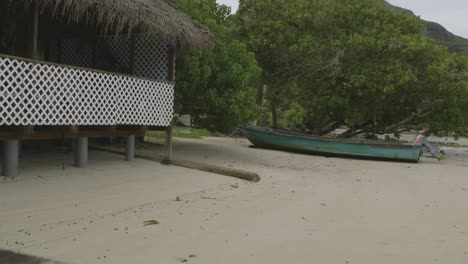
296,142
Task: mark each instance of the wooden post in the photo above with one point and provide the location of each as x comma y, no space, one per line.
33,35
33,30
171,78
171,63
168,144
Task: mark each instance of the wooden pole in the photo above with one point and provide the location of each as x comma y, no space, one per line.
171,78
171,63
34,30
168,145
32,52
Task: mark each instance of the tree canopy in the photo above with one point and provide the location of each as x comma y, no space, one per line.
215,86
326,64
355,63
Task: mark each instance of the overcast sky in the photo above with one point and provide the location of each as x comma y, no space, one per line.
452,14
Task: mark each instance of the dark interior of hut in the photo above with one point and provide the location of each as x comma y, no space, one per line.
62,40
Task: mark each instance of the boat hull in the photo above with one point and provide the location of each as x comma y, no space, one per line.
273,139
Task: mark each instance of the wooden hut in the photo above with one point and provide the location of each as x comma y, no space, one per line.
77,69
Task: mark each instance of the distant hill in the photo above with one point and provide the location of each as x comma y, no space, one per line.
441,35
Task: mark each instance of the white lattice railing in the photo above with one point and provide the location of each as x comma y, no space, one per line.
36,93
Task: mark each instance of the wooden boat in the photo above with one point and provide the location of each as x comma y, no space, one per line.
295,142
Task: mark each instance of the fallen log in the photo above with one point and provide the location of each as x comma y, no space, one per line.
244,175
240,174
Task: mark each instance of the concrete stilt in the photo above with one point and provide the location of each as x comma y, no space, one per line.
130,147
81,152
10,158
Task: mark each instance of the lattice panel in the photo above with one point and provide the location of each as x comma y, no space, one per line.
151,58
145,100
41,94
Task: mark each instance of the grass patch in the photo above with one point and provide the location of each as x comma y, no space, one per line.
182,132
331,135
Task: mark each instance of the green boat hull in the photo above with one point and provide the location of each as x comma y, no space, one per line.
294,142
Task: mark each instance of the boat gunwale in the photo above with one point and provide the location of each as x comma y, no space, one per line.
332,140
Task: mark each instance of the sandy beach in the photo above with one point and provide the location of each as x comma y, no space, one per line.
305,209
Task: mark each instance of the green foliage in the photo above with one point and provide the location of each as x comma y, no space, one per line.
355,63
214,86
294,115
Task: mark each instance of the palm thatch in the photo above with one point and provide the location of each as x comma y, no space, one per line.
158,18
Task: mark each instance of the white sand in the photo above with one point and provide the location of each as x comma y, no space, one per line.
306,209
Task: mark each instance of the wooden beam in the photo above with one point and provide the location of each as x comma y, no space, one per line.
82,68
26,131
171,78
156,128
67,132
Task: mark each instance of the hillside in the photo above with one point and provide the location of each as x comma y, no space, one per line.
441,35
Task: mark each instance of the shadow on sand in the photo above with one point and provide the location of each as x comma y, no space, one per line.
11,257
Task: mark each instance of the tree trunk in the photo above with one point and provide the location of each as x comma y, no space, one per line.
274,116
391,128
352,132
330,128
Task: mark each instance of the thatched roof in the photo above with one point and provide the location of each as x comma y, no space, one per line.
158,18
